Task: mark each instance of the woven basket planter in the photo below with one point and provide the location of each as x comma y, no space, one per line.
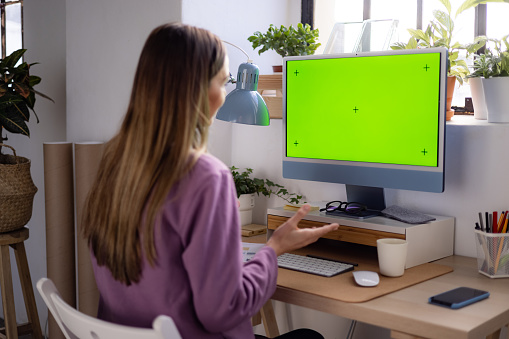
17,191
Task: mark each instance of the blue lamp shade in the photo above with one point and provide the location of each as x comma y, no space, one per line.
244,105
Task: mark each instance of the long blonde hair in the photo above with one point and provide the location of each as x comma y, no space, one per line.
166,123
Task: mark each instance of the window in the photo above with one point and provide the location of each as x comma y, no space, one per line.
11,30
414,14
399,10
496,20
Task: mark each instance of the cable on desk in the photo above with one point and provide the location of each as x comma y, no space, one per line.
351,330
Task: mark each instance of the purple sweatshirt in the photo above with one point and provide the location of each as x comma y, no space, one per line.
199,279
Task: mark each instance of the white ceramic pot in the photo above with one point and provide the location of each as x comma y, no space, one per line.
247,203
497,99
480,110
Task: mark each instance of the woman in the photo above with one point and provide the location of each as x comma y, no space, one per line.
161,218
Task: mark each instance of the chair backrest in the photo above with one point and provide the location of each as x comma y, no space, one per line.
75,324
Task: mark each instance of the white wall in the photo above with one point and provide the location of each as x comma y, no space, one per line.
104,41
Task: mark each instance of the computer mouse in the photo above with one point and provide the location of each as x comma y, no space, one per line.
366,278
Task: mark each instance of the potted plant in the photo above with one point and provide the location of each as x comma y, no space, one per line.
496,81
481,69
17,99
247,187
286,41
439,33
17,94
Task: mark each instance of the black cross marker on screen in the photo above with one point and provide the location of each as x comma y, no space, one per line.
296,143
355,109
424,151
296,72
426,67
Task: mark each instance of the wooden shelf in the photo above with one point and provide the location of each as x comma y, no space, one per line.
343,233
270,87
426,242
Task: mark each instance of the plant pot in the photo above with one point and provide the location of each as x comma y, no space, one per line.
496,92
451,82
17,191
277,68
246,206
480,110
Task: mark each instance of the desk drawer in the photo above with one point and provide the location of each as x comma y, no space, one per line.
343,233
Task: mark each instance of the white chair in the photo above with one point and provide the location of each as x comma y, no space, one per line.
76,325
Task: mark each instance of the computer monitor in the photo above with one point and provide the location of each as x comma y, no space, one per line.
369,120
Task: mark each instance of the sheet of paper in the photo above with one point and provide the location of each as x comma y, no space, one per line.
249,250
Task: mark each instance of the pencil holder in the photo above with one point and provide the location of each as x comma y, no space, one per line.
492,254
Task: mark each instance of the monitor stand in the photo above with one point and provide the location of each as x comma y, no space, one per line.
372,197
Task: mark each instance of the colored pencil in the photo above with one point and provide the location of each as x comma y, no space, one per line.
501,226
504,230
497,261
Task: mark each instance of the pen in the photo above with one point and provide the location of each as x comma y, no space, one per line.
480,221
497,223
487,222
477,227
494,222
341,261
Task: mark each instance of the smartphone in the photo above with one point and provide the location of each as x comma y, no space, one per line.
458,297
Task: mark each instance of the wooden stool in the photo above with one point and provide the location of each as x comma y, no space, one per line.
15,239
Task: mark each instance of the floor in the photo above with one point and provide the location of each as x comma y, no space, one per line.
28,336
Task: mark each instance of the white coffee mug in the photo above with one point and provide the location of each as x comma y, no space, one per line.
392,256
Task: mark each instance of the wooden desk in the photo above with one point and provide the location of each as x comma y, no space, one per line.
407,312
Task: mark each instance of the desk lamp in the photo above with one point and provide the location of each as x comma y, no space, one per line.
244,105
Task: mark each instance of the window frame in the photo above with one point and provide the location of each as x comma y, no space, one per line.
479,24
3,34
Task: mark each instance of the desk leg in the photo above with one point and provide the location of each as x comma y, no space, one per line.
269,320
401,335
494,335
256,319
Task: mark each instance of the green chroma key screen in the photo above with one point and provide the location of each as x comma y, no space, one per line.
380,109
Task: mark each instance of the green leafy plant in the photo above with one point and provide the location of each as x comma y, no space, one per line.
287,41
497,62
483,64
439,33
492,63
245,184
17,94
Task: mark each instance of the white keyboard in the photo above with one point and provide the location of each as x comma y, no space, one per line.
318,266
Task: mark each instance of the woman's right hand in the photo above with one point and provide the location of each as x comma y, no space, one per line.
289,237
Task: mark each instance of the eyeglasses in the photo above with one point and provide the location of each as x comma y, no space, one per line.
337,206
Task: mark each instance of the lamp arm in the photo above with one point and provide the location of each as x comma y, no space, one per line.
248,58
